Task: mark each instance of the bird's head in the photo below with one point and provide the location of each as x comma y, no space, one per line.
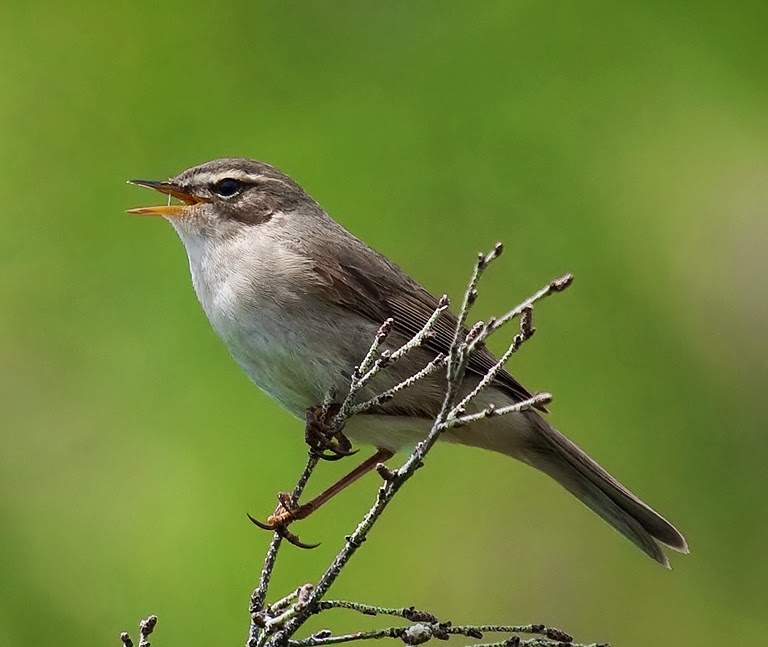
224,196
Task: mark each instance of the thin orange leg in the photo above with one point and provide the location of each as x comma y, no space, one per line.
287,515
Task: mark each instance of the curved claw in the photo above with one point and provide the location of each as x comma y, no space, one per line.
293,539
326,457
283,531
326,446
335,453
343,453
261,524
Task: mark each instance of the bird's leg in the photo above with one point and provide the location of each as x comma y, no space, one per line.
287,512
326,442
294,513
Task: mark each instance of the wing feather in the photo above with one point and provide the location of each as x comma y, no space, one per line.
380,290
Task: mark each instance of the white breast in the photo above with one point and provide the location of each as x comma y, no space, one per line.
258,294
250,286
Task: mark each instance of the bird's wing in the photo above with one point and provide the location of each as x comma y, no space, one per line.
367,283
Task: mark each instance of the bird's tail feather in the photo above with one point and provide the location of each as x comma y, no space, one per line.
555,455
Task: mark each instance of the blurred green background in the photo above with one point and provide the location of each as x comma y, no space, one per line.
626,143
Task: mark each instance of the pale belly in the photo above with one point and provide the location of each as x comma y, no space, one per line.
298,365
297,350
297,372
290,364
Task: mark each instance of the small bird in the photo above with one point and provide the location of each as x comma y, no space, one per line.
297,300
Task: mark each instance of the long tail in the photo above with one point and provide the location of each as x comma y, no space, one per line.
552,453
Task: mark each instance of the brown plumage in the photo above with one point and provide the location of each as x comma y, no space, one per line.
297,299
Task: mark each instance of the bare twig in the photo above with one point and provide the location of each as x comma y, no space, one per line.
370,367
278,631
146,627
276,625
259,594
534,401
553,287
430,369
363,373
470,294
526,332
398,477
419,633
409,613
422,335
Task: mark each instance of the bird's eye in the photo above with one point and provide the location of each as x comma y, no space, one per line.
227,187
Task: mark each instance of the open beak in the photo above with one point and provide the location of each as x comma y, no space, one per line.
169,189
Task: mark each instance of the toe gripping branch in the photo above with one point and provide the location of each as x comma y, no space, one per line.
325,443
285,513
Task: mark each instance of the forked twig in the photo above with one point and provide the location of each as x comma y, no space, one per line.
276,625
420,633
451,414
146,627
259,594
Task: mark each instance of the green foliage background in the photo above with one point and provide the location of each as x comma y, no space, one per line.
624,142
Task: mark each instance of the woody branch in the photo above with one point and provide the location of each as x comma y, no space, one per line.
276,624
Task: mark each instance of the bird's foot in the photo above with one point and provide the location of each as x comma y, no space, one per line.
324,440
286,513
289,511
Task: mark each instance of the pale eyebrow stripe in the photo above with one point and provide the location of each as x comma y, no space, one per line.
254,178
